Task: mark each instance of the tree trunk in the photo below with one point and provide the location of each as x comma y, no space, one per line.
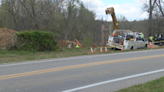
150,16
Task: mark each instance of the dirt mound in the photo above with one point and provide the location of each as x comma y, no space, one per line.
63,43
7,37
70,42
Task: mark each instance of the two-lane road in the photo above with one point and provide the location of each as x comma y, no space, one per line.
84,73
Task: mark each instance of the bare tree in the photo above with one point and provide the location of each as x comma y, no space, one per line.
149,8
160,4
13,7
158,21
67,19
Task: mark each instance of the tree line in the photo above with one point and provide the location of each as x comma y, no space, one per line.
67,19
71,19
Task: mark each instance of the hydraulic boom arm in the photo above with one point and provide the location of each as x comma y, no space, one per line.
111,11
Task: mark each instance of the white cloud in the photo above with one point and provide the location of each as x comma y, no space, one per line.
130,11
96,5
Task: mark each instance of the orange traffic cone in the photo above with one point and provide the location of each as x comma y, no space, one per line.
101,50
113,33
150,45
122,48
106,50
92,50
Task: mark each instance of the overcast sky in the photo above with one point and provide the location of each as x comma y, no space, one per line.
131,9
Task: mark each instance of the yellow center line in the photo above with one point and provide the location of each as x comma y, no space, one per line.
73,67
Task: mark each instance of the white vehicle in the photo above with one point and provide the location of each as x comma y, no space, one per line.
127,40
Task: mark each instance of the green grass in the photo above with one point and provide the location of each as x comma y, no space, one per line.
18,56
43,57
152,86
30,58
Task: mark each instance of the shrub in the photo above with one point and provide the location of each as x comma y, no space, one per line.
36,41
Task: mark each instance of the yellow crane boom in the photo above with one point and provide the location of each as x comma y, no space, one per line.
111,11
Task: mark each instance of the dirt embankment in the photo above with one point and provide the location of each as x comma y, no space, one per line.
7,37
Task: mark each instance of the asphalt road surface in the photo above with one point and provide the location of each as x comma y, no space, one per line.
93,73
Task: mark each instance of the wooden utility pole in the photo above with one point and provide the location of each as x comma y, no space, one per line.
102,34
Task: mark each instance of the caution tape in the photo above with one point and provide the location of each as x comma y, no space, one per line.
127,45
157,41
95,49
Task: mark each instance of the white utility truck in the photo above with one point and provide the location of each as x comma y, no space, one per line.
127,40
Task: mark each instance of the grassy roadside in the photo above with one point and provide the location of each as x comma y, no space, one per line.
18,56
152,86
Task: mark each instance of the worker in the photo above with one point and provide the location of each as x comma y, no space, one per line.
150,38
137,37
155,35
77,46
162,37
155,38
159,36
69,46
142,36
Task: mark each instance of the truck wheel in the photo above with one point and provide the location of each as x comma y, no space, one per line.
131,48
161,43
145,46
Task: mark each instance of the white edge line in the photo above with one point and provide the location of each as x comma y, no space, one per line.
114,80
41,61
